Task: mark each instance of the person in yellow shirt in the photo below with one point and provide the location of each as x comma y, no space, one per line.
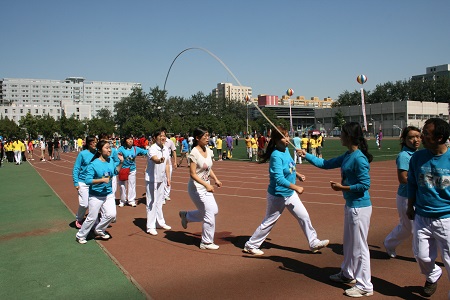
248,146
79,144
319,145
9,149
254,143
304,142
313,144
219,147
17,148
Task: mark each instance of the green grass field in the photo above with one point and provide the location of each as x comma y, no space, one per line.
332,148
40,258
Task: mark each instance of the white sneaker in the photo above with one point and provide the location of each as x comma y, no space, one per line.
164,202
356,292
81,240
211,246
102,235
133,204
165,226
253,251
168,198
320,245
121,204
152,231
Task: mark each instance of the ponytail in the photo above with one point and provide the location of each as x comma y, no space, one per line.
354,131
365,148
275,137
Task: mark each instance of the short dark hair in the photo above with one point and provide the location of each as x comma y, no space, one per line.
441,129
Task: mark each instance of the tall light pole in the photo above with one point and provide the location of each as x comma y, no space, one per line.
247,98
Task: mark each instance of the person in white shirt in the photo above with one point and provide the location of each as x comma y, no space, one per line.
201,191
155,175
42,146
172,153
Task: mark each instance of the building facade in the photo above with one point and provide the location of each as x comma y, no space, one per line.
72,96
390,117
230,92
434,73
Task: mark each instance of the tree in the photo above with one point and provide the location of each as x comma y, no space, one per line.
99,125
102,123
30,123
47,126
9,128
105,115
137,126
136,104
71,127
338,119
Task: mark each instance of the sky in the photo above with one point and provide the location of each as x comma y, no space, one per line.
317,48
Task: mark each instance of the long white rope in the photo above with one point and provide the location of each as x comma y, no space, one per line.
232,75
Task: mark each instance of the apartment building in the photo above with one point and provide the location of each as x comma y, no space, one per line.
228,91
71,96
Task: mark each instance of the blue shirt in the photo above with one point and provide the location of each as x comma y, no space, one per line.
281,173
354,173
129,156
114,156
402,162
429,183
79,168
100,169
185,146
297,142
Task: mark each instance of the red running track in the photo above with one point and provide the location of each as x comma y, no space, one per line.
171,266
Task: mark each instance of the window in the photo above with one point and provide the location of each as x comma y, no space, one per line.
78,109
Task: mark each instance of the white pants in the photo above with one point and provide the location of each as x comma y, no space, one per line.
356,262
107,206
114,185
155,198
83,200
166,187
18,156
131,189
429,235
207,210
249,152
275,207
403,230
297,157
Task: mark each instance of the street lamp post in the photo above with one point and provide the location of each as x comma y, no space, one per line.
247,98
373,122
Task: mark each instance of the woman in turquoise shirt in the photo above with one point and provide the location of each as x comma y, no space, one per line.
355,183
282,193
98,176
410,142
79,174
129,153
